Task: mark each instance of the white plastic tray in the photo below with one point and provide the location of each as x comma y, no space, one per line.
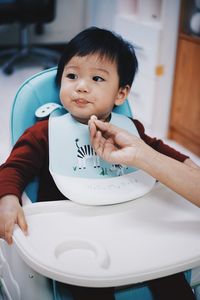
153,236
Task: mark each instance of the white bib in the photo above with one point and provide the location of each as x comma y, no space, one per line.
81,175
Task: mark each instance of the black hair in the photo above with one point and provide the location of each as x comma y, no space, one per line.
108,45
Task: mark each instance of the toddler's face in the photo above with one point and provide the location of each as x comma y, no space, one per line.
90,86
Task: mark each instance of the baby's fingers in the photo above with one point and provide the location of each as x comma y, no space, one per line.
21,221
8,231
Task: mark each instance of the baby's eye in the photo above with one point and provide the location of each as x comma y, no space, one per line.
98,78
72,76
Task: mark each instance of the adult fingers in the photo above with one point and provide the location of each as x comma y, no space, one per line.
106,127
98,142
92,128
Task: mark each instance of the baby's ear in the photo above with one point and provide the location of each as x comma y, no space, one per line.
122,95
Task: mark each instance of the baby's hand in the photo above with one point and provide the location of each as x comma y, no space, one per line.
11,213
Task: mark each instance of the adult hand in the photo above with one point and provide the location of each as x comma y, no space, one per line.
113,144
11,213
118,146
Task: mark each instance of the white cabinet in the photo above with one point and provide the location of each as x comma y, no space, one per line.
146,36
141,99
151,25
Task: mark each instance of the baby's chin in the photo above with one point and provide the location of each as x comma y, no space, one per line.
80,119
103,119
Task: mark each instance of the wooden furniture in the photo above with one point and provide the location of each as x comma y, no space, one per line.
185,110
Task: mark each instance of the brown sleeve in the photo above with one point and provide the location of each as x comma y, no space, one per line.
25,160
158,144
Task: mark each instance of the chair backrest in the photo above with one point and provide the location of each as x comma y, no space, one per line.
33,93
27,11
8,9
33,11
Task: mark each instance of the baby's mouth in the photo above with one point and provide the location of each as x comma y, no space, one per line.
81,101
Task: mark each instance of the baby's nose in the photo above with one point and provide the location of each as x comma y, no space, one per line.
82,86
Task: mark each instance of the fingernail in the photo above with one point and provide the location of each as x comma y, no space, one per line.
93,117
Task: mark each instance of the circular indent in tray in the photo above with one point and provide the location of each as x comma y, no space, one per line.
83,252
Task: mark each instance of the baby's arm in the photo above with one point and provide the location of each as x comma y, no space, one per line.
23,164
11,213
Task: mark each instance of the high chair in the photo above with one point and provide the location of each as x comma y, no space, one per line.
23,274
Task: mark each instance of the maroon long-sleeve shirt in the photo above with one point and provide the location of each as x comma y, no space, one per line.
30,158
